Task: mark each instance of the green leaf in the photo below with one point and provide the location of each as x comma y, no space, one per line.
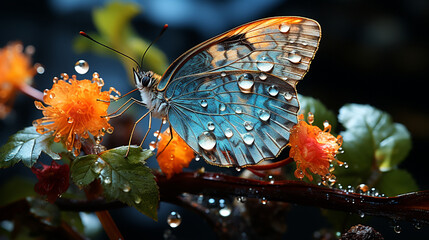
26,146
315,106
372,135
396,182
126,179
130,182
82,170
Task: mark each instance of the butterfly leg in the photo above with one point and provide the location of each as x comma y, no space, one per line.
148,130
132,131
171,138
116,99
111,115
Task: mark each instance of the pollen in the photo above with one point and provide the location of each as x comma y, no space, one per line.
173,153
15,71
314,150
75,109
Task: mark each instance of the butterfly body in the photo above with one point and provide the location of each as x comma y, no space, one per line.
153,99
233,98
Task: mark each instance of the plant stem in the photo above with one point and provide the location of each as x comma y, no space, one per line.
31,92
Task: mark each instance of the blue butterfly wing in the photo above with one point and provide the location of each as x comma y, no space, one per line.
246,126
209,97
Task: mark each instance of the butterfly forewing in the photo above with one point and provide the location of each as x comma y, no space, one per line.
233,98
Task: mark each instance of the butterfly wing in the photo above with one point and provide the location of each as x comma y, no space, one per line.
242,74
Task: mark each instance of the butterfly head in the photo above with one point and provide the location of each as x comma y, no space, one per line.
145,79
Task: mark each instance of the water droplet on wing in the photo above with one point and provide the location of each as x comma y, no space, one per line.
294,58
273,90
228,133
248,125
126,188
264,115
211,126
203,103
288,96
284,27
207,141
81,67
238,110
222,107
248,138
246,82
265,64
263,76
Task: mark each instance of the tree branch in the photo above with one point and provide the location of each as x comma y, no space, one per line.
409,207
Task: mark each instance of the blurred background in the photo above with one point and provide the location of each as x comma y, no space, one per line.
371,52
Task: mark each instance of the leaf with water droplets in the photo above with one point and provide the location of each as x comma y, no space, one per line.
26,146
81,170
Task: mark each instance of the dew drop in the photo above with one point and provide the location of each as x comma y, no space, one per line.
225,211
288,96
362,215
164,120
222,107
228,133
52,95
263,201
238,169
40,69
238,110
270,179
263,76
107,180
197,158
70,120
174,219
264,115
223,74
64,76
126,188
203,103
152,145
98,166
245,83
55,80
211,126
294,58
362,188
397,229
81,67
137,200
248,125
248,138
273,90
284,27
417,226
265,64
207,141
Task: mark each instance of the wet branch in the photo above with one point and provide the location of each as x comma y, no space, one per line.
409,207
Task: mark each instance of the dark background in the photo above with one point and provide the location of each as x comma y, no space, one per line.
371,52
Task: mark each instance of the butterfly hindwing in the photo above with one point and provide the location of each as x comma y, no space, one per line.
209,96
247,126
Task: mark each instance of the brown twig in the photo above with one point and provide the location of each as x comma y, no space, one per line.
410,207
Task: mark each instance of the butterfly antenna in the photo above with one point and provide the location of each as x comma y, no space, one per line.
92,39
153,42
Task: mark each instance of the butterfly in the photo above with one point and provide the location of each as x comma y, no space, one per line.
233,98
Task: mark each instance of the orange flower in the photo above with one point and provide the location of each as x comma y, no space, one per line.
175,156
77,109
314,149
15,70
